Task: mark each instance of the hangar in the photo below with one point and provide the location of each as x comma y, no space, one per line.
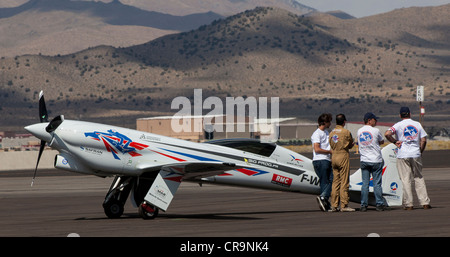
199,128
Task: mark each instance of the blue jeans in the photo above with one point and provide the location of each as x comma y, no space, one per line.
376,169
325,173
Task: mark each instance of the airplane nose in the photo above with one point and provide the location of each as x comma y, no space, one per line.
38,130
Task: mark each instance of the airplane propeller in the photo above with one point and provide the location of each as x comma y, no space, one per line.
43,115
52,126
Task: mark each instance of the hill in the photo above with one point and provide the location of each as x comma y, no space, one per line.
315,64
63,26
223,7
53,27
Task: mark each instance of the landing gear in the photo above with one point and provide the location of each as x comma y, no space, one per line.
148,211
120,190
113,209
117,196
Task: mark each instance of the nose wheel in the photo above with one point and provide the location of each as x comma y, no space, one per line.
147,210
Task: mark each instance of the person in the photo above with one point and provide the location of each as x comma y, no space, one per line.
411,141
322,159
341,141
371,161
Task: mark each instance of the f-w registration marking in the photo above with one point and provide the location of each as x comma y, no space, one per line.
313,180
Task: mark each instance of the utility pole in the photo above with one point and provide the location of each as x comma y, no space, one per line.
420,98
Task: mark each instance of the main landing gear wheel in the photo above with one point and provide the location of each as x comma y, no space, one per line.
113,209
117,196
148,211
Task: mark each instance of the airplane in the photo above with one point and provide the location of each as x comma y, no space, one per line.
148,168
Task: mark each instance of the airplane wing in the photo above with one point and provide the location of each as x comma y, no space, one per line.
190,170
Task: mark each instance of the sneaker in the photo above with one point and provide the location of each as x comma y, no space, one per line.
408,208
327,204
334,209
347,209
427,206
322,203
380,208
363,209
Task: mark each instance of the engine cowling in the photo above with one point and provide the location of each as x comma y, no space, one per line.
67,162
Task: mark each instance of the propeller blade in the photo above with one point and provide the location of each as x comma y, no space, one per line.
52,126
41,149
43,115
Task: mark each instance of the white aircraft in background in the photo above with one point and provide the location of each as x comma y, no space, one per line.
151,167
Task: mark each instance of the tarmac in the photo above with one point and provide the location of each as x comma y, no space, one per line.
62,204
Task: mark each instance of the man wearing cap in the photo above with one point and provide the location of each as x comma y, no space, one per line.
411,141
371,161
341,141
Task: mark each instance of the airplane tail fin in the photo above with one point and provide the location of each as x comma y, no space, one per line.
391,184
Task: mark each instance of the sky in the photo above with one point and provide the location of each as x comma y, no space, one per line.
363,8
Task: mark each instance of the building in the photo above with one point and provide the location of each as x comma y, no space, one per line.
295,128
198,128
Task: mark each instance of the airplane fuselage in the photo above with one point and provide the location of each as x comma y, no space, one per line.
104,150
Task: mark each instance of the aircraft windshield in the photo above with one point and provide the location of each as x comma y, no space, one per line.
247,145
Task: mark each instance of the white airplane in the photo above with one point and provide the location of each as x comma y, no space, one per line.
151,167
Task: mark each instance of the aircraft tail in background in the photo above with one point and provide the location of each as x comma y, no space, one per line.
391,184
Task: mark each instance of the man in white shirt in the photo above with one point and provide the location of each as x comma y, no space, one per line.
411,141
322,159
371,161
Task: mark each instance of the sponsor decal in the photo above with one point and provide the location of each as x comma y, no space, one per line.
116,142
394,153
149,138
161,191
262,163
394,187
281,180
295,159
91,150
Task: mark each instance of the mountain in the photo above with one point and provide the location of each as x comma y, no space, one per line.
52,27
222,7
115,13
316,63
341,15
63,26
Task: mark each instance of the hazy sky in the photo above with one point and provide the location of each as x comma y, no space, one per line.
362,8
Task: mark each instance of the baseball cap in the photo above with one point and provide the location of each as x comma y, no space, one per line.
369,116
404,110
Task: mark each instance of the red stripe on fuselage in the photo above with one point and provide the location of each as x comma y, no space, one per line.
172,157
